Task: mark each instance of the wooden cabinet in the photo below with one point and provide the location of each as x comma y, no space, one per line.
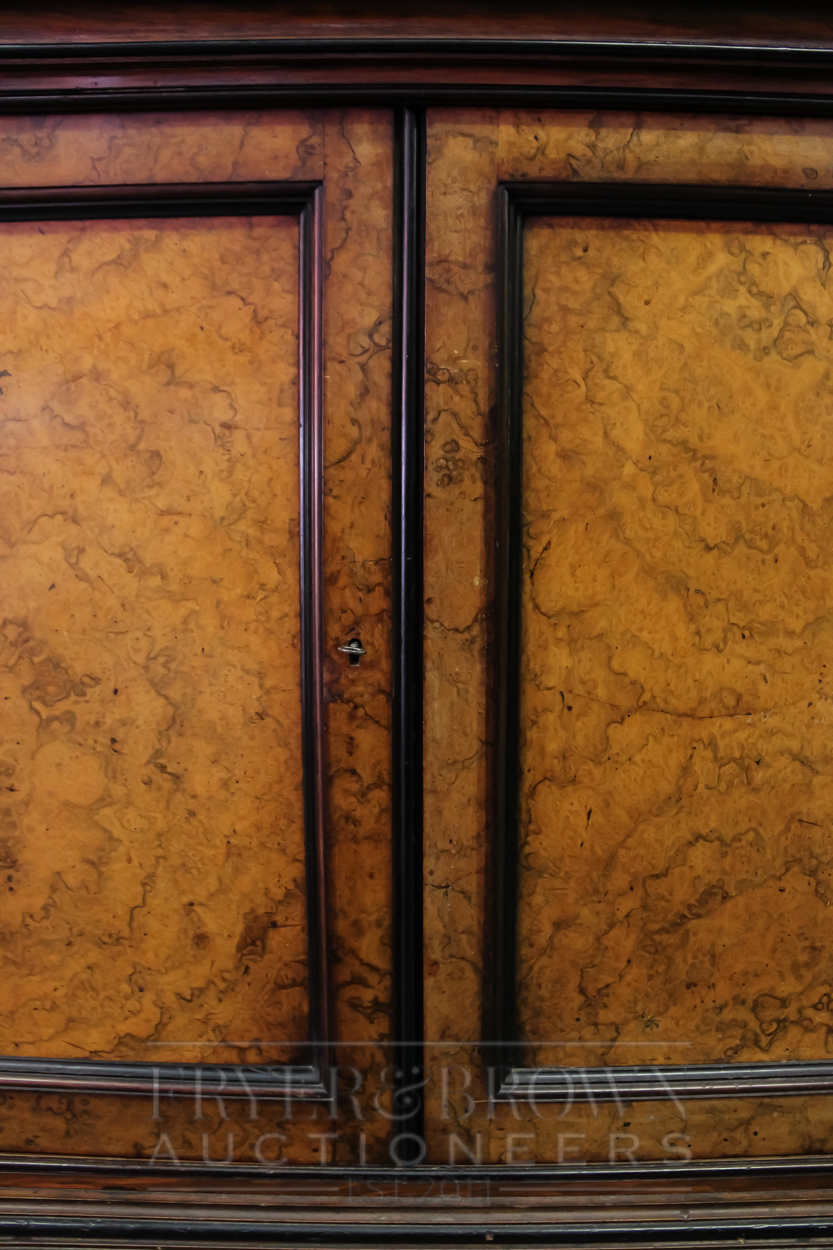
417,588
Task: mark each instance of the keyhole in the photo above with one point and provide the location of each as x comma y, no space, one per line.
354,650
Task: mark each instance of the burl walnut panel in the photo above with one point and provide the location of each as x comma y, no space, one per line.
677,772
127,148
239,430
358,244
153,844
468,152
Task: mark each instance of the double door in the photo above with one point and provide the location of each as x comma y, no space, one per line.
215,943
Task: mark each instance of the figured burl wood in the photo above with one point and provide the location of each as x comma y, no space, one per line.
458,470
677,775
153,845
467,154
240,457
78,149
357,600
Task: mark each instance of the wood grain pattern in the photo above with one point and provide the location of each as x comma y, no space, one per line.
154,849
357,561
351,153
464,151
459,471
576,146
155,148
676,793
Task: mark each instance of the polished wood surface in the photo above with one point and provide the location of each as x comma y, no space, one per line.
118,149
358,183
118,308
468,153
460,331
153,851
473,1203
80,20
677,595
83,55
725,925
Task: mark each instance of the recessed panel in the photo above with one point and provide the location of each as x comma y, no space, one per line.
677,643
152,842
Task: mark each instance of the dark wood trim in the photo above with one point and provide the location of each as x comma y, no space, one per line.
300,1082
732,76
183,199
181,69
670,202
627,200
107,1226
668,1083
760,1202
310,339
78,1170
224,199
741,101
451,48
502,933
408,455
104,1228
83,1201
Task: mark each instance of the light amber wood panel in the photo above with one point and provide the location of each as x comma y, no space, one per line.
574,146
88,150
677,607
357,549
460,310
464,150
153,843
459,471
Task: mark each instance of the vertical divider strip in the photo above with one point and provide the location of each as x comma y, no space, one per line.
408,456
508,567
312,624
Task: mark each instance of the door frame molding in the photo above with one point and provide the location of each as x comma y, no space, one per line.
306,1081
518,201
408,464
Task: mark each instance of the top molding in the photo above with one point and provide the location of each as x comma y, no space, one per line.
489,48
667,74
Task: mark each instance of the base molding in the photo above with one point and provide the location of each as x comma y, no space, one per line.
49,1201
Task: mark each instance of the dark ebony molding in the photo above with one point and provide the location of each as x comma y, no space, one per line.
304,201
669,1083
494,49
41,1230
408,455
777,78
517,201
68,1169
597,1206
391,93
184,199
84,1201
697,1204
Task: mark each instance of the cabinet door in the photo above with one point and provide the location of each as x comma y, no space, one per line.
629,578
195,468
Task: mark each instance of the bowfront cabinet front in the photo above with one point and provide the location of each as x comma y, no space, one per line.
417,611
